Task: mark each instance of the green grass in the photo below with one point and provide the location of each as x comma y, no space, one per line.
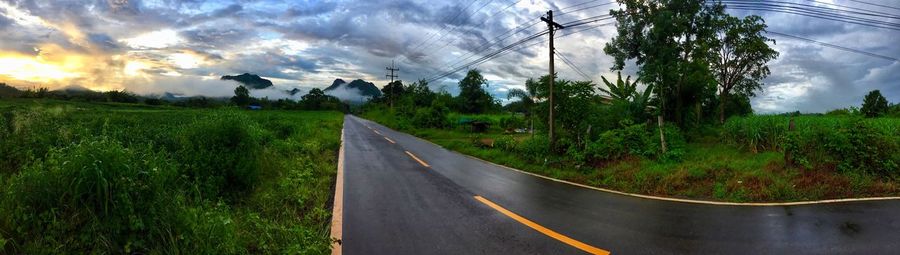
709,169
119,178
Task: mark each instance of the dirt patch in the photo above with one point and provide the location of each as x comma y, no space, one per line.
823,182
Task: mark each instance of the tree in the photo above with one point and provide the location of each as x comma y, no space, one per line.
740,58
421,94
624,94
528,97
874,105
669,41
472,96
241,96
393,91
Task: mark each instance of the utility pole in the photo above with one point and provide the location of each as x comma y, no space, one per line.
552,26
392,76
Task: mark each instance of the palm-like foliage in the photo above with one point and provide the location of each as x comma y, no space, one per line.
622,90
625,92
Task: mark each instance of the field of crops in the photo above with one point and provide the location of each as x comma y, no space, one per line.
847,144
106,178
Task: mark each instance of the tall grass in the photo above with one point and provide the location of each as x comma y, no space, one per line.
845,143
97,179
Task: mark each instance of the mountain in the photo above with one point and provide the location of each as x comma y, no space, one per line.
73,89
251,81
9,91
335,84
293,91
366,89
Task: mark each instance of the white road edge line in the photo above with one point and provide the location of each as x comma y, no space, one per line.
692,201
337,213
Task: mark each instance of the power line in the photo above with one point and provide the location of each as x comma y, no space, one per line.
585,8
573,66
499,54
451,21
835,46
816,12
874,4
813,9
455,27
573,6
488,56
480,25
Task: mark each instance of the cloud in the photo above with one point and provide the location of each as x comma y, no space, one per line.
348,94
155,46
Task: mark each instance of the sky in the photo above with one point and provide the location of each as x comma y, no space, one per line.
183,46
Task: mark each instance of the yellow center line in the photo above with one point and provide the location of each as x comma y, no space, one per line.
565,239
417,159
389,140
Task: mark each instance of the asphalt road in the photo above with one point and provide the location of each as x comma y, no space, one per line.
424,202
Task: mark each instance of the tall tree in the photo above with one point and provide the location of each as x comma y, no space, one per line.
740,58
874,105
241,96
669,41
421,94
472,96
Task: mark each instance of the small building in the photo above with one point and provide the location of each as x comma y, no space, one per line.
254,107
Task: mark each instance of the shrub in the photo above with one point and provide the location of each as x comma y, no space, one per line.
510,123
91,196
635,140
431,117
534,147
222,152
505,143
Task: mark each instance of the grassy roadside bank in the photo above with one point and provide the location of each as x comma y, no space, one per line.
710,168
118,178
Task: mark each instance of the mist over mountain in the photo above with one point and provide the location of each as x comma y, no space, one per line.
366,88
357,91
250,81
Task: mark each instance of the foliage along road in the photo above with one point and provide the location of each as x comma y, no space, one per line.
403,195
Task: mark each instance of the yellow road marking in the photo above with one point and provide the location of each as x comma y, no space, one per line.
565,239
389,140
417,159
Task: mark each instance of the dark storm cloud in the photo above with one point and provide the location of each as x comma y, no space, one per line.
270,64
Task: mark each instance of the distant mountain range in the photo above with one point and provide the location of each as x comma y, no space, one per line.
366,89
250,81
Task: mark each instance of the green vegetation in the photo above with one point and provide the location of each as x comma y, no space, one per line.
697,67
128,178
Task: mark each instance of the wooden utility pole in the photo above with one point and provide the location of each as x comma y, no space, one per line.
392,76
552,26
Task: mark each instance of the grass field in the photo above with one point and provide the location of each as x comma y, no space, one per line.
118,178
715,165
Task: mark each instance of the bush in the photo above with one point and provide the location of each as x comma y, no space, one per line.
635,140
534,147
91,196
510,123
221,151
431,117
505,143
